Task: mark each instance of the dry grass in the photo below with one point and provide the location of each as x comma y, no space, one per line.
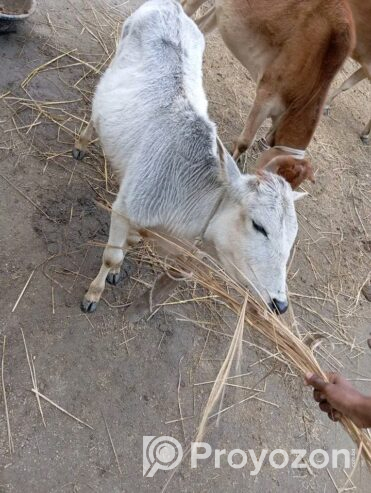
60,408
10,436
33,377
23,291
252,314
112,444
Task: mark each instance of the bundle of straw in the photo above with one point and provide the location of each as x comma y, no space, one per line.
255,314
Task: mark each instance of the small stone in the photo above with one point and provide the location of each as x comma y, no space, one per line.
369,342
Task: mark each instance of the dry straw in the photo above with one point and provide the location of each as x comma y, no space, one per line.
253,313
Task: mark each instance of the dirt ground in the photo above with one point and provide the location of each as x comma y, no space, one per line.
129,381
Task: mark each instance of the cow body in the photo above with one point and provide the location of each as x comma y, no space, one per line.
361,10
293,51
150,112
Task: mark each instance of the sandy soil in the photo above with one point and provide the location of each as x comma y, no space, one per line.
141,379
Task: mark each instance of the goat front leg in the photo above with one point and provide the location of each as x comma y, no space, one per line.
152,298
82,142
113,257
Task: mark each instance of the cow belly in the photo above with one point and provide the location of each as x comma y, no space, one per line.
249,47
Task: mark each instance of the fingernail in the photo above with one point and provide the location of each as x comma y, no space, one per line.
308,376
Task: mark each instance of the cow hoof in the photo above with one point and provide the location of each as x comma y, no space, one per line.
326,110
114,278
239,148
365,139
78,154
236,154
88,306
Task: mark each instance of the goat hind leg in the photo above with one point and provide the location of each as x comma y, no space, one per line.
113,256
152,298
82,142
125,268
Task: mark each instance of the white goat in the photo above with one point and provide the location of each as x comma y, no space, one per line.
150,112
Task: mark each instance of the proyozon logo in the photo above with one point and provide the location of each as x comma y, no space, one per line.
166,453
163,453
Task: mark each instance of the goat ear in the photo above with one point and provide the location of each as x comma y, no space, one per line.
222,153
298,195
229,173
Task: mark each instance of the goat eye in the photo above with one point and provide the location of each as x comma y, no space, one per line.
260,229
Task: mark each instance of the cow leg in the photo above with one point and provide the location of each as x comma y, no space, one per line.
261,109
207,22
356,77
82,142
152,298
190,6
366,132
113,256
269,138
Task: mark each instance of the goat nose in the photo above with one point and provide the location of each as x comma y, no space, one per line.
278,307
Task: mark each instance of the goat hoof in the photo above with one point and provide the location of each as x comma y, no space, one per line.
88,306
126,270
78,154
326,110
114,278
365,139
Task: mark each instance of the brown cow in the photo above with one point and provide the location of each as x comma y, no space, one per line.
292,49
361,10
